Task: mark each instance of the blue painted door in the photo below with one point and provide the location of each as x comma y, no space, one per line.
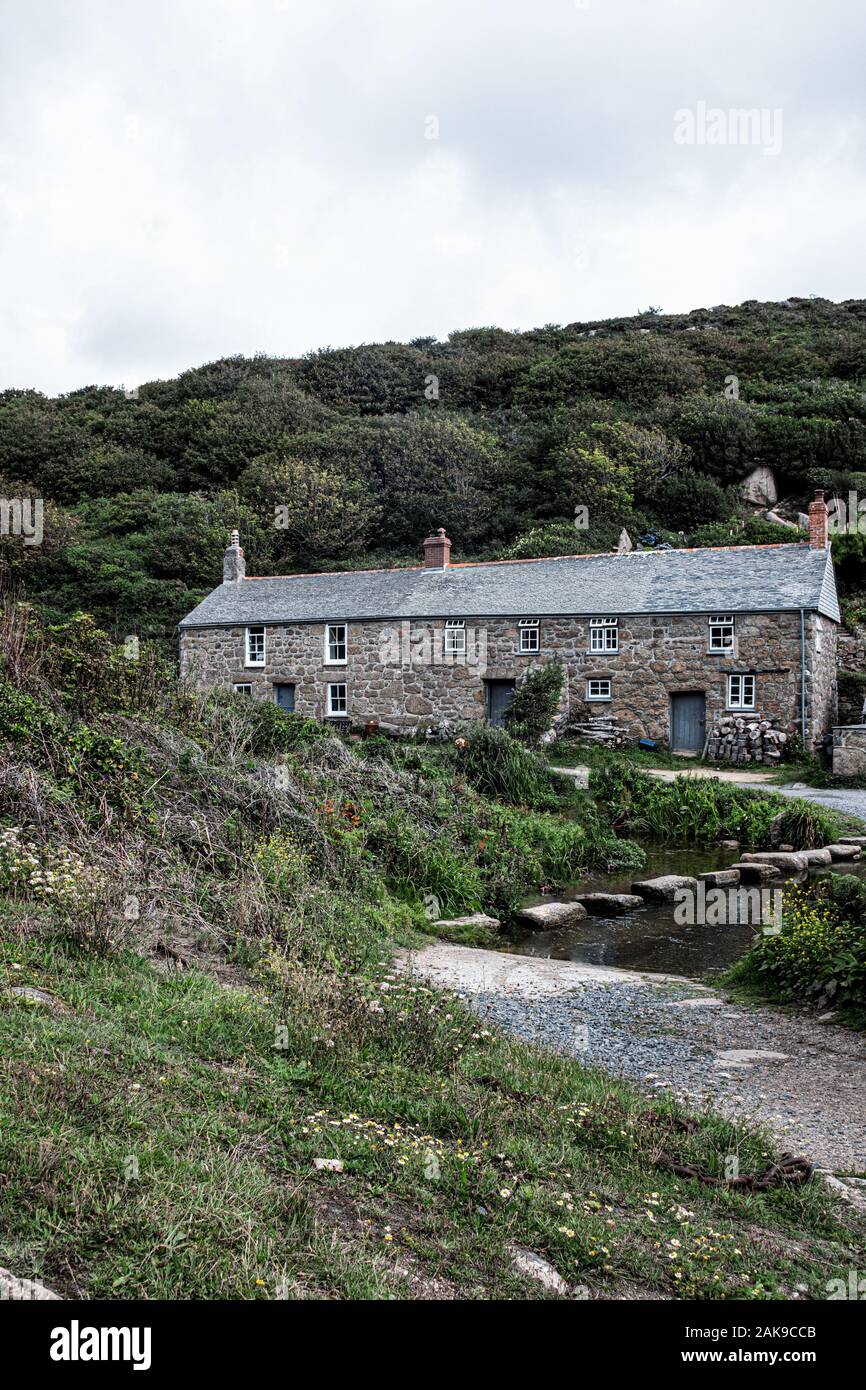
499,697
688,721
285,696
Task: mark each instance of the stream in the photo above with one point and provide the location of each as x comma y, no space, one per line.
647,938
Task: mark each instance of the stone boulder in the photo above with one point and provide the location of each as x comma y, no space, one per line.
759,488
817,858
844,851
664,888
548,915
609,904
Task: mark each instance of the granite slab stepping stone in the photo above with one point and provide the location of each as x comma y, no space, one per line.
720,878
609,904
548,915
664,888
757,872
844,851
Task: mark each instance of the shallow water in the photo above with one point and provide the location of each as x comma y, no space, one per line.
648,938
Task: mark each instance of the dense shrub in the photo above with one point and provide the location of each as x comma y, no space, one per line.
535,703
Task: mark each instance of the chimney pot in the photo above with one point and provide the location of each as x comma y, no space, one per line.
818,521
234,564
437,551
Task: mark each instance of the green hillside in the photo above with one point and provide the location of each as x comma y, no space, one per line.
649,422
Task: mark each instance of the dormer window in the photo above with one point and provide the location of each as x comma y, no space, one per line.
255,646
530,639
604,634
455,636
721,632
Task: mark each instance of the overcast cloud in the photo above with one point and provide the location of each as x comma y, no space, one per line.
184,179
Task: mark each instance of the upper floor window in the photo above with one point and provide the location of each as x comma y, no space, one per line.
455,635
335,644
721,630
741,692
604,634
530,639
255,643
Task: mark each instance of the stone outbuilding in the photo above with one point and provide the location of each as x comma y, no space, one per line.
664,645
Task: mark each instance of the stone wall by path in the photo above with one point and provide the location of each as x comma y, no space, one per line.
849,750
399,674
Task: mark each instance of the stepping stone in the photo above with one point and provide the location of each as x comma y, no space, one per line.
844,851
609,904
664,888
476,919
757,873
729,844
720,878
818,858
547,915
852,840
793,863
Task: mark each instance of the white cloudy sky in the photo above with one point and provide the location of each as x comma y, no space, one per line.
182,179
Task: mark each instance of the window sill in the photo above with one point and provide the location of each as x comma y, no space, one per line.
740,709
599,699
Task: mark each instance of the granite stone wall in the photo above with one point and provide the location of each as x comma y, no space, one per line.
399,674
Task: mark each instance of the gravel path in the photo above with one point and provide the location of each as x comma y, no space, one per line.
845,799
803,1080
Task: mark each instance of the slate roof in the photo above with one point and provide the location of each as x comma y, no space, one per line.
735,579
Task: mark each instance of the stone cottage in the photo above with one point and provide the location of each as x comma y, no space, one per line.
666,643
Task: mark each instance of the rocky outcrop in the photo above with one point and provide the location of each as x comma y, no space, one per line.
759,488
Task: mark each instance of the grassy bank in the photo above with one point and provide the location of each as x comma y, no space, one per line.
159,1131
208,894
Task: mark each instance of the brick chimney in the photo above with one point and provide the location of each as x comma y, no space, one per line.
437,551
234,564
818,527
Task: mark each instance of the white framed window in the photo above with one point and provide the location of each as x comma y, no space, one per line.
741,692
338,700
336,644
604,634
243,688
530,635
721,632
598,690
455,636
255,645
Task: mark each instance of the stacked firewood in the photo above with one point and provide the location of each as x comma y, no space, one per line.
598,729
739,740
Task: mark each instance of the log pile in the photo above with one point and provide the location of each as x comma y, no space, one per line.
739,740
598,729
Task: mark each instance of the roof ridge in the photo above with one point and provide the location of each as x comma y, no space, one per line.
532,560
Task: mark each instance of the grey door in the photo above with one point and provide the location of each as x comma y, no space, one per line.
285,696
499,697
688,721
